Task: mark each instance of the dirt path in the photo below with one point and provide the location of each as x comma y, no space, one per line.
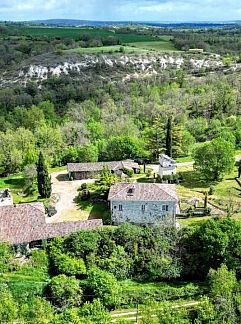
134,315
65,192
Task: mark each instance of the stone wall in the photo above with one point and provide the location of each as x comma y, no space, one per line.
84,175
141,212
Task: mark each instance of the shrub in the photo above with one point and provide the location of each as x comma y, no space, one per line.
128,172
65,291
104,286
39,259
65,264
6,254
84,186
211,191
84,195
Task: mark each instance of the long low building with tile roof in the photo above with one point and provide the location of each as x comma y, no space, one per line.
79,171
26,223
143,203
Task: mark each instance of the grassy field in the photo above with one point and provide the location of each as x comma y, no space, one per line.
227,195
26,280
160,46
16,184
76,32
107,49
95,210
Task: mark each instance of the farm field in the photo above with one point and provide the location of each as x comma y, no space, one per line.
107,49
75,33
162,45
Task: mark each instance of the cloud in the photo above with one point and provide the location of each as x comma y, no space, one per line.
158,10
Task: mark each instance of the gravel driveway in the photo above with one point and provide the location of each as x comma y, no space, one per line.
66,193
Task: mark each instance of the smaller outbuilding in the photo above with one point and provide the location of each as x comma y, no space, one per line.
79,171
24,225
143,203
167,166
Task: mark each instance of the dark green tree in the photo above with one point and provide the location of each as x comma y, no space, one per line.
169,137
44,180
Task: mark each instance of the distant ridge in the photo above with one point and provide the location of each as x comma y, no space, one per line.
76,22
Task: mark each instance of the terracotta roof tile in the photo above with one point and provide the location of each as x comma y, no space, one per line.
25,223
98,166
143,192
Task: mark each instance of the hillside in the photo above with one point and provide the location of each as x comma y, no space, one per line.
110,66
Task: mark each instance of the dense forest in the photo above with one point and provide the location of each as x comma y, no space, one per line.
72,121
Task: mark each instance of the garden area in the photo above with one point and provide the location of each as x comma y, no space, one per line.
223,196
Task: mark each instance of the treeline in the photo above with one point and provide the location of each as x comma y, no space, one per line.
87,268
220,40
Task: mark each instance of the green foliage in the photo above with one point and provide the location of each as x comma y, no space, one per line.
104,286
214,159
122,148
95,312
105,181
142,292
214,242
6,256
205,312
168,315
65,291
223,283
88,153
83,243
65,264
8,307
39,260
169,137
118,263
37,310
44,181
128,172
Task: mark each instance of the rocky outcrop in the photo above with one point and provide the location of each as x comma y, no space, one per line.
109,65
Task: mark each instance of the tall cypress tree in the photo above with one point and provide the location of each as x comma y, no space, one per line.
169,137
44,180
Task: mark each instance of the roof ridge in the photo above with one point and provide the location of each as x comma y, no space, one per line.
159,185
116,184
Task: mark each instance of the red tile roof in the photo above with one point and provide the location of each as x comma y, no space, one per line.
25,223
98,166
143,192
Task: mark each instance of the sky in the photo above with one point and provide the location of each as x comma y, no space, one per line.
124,10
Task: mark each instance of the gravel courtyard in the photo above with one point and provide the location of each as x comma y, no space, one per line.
66,193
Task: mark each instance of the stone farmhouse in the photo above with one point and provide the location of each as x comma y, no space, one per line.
79,171
24,225
5,197
167,166
143,203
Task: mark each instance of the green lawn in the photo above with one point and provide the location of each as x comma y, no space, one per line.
26,280
21,194
184,159
95,210
227,193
